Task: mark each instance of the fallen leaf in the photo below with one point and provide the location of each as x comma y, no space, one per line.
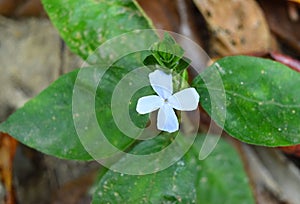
286,29
236,26
21,8
297,1
292,150
8,147
293,11
30,8
163,13
76,190
178,16
287,60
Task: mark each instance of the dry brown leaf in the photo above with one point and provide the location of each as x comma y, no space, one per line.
292,150
31,8
7,7
20,8
296,1
236,26
8,147
76,190
286,60
163,13
179,16
281,24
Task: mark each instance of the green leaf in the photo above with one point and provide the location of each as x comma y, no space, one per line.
181,65
115,108
262,99
167,51
45,123
187,181
86,24
58,124
169,54
52,121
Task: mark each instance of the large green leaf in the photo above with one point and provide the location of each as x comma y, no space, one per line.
86,24
58,123
262,99
45,123
115,106
220,178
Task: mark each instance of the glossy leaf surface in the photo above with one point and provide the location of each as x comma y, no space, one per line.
262,99
218,179
86,24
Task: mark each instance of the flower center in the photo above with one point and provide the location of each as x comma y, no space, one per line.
166,100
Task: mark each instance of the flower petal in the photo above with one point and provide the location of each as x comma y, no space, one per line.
185,100
161,83
166,119
149,104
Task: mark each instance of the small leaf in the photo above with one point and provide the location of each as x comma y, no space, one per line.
262,99
168,53
150,60
86,24
167,50
181,65
187,181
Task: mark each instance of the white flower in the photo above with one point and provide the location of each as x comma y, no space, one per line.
166,101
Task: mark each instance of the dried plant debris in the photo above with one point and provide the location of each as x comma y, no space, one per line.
236,26
180,16
21,8
275,178
8,147
283,21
